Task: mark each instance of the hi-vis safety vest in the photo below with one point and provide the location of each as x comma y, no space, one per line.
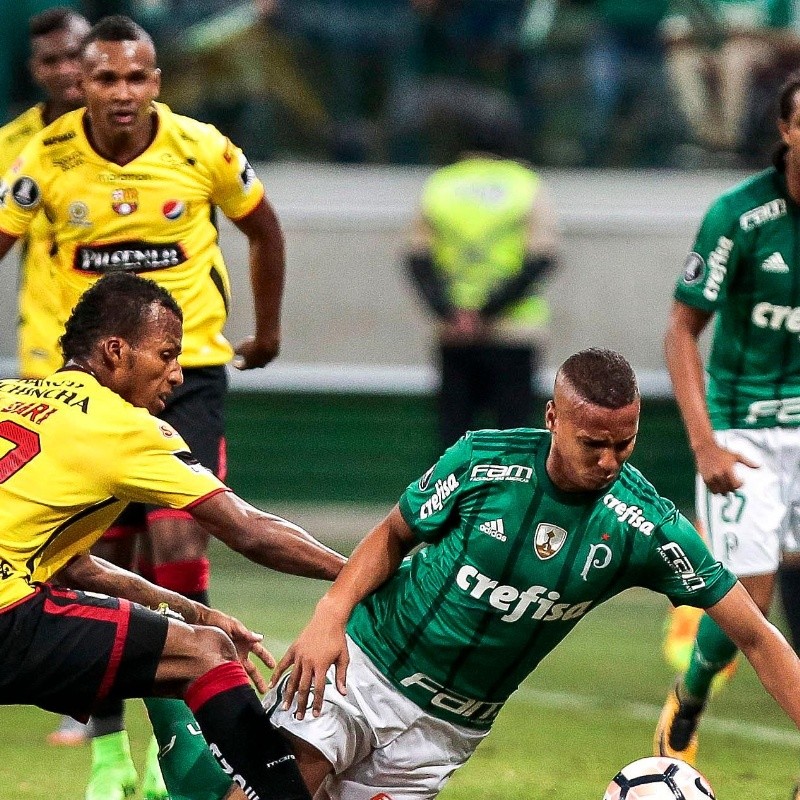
478,211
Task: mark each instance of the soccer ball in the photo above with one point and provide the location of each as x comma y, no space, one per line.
659,778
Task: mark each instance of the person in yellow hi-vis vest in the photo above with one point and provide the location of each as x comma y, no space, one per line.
485,236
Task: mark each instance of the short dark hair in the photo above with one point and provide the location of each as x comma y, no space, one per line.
117,28
601,377
54,19
117,305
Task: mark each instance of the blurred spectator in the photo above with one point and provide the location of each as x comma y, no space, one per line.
717,53
471,81
359,52
626,80
15,50
485,237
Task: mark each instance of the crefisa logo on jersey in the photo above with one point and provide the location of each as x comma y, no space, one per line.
173,209
548,540
124,201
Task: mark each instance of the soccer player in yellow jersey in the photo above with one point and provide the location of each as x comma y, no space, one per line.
75,447
55,37
128,185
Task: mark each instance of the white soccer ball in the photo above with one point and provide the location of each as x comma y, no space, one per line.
659,778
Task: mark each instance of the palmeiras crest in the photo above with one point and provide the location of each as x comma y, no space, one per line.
548,540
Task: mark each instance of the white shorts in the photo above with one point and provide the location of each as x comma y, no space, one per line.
381,745
749,529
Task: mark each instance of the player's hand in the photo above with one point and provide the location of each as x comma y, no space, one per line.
246,642
463,327
717,467
256,352
318,646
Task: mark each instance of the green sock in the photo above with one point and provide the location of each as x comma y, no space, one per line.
712,652
189,770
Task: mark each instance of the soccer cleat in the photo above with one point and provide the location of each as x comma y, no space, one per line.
676,732
113,776
153,787
69,733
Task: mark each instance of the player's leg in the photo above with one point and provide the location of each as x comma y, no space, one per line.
743,530
789,582
113,774
179,545
456,400
190,771
82,648
511,400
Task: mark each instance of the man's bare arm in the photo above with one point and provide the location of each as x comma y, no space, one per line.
774,661
267,274
267,539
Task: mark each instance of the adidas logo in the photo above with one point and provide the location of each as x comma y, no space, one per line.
775,263
495,529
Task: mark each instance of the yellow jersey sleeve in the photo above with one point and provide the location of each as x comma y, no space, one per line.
21,191
155,466
236,188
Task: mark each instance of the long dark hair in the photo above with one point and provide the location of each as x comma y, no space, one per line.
785,108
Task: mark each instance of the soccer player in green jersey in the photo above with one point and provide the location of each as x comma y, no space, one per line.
743,426
408,659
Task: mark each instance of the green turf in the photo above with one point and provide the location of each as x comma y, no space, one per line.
588,710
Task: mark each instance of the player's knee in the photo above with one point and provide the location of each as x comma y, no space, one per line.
213,647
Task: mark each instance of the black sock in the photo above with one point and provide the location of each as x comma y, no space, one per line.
108,717
239,735
789,581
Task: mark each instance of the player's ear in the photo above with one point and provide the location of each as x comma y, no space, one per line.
550,415
157,82
783,129
114,349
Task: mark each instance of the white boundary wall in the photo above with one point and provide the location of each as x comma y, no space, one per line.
352,322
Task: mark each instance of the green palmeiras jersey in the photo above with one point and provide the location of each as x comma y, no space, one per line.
509,565
745,266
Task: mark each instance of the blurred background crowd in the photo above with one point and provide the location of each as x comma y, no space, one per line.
563,83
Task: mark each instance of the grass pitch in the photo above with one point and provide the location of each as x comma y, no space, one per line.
588,710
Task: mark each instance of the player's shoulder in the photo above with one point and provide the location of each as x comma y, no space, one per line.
506,441
758,198
190,131
635,501
17,132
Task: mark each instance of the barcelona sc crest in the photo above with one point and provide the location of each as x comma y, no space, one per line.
124,201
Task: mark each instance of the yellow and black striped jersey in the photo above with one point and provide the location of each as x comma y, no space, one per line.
39,327
72,455
155,215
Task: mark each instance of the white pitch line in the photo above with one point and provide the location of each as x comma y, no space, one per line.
748,731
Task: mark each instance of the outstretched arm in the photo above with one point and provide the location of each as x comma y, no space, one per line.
322,642
267,273
90,573
774,661
715,464
266,539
